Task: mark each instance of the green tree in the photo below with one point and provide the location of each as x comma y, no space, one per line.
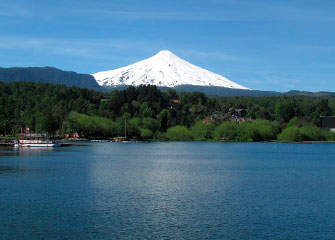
227,131
263,130
178,133
146,133
134,126
284,111
150,123
202,131
292,134
46,123
164,118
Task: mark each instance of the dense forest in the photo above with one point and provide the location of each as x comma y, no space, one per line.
149,113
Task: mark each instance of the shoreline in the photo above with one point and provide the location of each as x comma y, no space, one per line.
70,142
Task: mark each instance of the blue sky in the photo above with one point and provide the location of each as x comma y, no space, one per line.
261,44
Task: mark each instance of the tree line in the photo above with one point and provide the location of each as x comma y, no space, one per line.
146,112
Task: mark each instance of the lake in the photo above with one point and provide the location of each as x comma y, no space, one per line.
169,190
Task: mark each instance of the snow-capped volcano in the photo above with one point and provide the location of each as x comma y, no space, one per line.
164,69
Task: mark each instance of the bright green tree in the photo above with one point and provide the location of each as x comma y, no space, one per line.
202,131
179,133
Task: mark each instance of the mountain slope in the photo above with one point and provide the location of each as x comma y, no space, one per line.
47,75
163,70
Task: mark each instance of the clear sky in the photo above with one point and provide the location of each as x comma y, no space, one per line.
262,44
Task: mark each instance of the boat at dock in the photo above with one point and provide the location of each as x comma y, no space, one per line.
35,140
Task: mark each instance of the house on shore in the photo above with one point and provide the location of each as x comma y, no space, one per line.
238,113
327,122
234,115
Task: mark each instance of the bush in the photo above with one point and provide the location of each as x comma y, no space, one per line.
260,130
264,130
202,131
291,134
179,133
150,123
227,130
313,133
330,136
305,133
146,133
161,136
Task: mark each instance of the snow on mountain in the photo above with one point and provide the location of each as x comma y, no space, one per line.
164,69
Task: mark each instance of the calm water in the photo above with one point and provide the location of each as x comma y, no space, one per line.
169,191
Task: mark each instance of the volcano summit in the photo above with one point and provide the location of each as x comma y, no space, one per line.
164,69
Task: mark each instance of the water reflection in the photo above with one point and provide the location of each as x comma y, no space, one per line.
149,185
5,169
35,151
19,170
168,191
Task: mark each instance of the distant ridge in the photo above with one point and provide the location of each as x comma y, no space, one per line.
56,76
227,92
310,94
230,92
213,91
164,69
48,75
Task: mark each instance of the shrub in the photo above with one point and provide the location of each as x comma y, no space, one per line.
291,134
202,131
305,133
226,130
178,133
264,130
260,130
146,133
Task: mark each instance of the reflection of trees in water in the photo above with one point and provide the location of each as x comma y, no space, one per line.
4,169
13,169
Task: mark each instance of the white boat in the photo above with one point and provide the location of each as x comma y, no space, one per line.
34,140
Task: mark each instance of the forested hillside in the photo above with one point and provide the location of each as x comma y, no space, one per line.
152,114
48,75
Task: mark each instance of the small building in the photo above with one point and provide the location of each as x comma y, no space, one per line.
176,101
327,122
238,112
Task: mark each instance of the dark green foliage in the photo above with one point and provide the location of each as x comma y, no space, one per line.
148,113
164,118
146,134
284,111
43,107
150,123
